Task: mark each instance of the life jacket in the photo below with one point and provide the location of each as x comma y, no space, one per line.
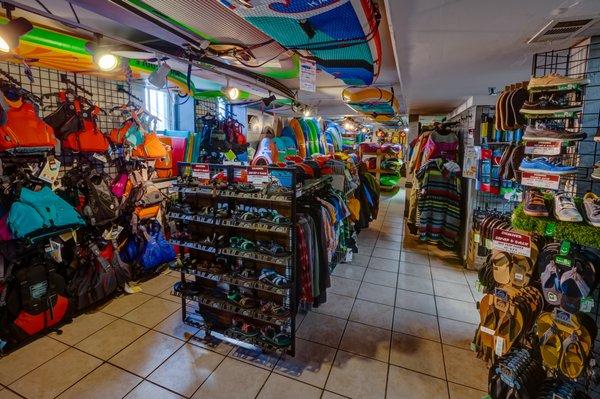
151,148
66,119
24,131
118,134
102,206
35,300
164,165
88,139
35,210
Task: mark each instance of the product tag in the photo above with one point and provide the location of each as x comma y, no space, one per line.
50,171
478,286
487,330
563,261
499,350
563,316
113,233
501,294
519,276
511,242
477,238
587,303
488,243
550,229
131,288
565,248
67,236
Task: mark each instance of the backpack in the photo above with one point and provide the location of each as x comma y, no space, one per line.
35,300
98,276
102,205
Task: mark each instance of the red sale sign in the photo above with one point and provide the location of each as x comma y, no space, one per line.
540,180
511,242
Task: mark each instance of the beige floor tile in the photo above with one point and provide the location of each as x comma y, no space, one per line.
380,277
387,265
146,353
413,269
186,370
367,234
152,312
416,284
359,260
366,250
366,340
310,365
457,310
125,304
387,244
367,242
377,293
357,376
396,238
344,286
417,324
212,343
148,390
457,333
415,258
347,270
387,253
417,354
22,361
175,327
443,258
62,371
278,386
255,357
415,301
106,342
166,294
459,292
7,394
449,275
464,368
158,284
331,395
392,228
461,392
107,381
82,327
233,379
471,276
373,314
406,384
336,305
326,330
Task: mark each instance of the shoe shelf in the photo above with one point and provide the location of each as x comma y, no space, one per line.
257,256
224,305
229,279
194,245
232,223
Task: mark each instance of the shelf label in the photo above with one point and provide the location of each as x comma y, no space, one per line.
258,175
511,242
543,147
540,180
201,171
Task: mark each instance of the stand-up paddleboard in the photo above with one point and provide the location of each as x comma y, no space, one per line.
290,145
342,35
308,137
334,136
287,131
281,149
378,104
295,125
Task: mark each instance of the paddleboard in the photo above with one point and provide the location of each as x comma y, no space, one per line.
341,35
299,134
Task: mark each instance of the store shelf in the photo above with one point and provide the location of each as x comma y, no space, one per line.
256,256
263,227
194,245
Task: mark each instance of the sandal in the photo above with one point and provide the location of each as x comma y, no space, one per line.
573,357
246,188
240,300
272,278
551,284
241,243
271,248
243,327
550,343
250,217
501,262
272,309
186,288
273,337
274,217
247,274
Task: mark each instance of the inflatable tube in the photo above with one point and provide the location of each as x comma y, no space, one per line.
262,160
390,180
299,134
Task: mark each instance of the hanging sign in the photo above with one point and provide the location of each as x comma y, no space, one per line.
308,75
543,147
511,242
201,171
471,162
540,180
258,175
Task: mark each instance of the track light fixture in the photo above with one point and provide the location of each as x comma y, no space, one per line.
12,32
267,101
158,77
232,93
102,56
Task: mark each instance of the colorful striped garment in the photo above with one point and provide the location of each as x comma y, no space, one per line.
439,202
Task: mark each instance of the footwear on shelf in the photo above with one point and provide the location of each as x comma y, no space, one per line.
549,106
545,134
545,165
535,204
596,172
555,80
565,209
591,204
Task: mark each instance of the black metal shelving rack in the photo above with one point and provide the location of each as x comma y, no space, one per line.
214,196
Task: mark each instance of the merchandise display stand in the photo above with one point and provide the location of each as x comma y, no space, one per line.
379,171
215,264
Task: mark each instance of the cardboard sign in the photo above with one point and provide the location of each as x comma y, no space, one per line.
543,147
308,75
540,180
511,242
201,171
258,175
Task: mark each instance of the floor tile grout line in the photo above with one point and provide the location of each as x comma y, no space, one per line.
441,345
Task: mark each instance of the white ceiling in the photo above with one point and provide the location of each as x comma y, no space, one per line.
449,50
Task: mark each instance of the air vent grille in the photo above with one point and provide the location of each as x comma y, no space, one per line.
562,29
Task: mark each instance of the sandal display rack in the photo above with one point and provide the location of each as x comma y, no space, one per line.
220,196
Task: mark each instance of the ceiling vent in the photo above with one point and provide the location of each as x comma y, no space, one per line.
562,29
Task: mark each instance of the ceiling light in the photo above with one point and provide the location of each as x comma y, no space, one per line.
348,126
106,61
319,118
158,77
12,32
307,112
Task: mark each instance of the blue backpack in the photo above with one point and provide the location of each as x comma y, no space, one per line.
152,252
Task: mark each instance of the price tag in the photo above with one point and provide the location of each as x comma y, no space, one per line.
511,242
501,294
477,238
587,304
550,229
49,173
258,175
487,330
540,180
563,316
201,171
543,147
488,243
499,346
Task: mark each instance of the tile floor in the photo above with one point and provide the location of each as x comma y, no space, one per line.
397,324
